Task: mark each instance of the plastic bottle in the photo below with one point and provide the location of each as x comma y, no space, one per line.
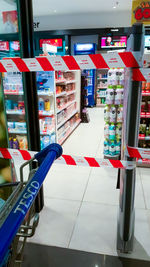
106,113
118,95
41,104
113,114
106,131
47,105
15,144
110,95
118,148
112,149
120,113
112,132
10,142
118,131
106,148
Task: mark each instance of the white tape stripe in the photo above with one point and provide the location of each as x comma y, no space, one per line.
85,62
33,64
113,60
58,63
9,65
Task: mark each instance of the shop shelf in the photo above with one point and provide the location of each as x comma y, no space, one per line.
144,138
146,93
60,81
15,112
102,79
45,94
61,141
16,131
71,92
101,88
66,106
145,115
71,81
69,117
61,94
46,113
100,105
13,92
47,133
99,96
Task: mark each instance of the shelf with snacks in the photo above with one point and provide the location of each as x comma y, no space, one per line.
113,113
101,87
13,92
68,129
144,130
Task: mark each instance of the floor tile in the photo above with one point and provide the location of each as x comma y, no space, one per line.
69,183
56,222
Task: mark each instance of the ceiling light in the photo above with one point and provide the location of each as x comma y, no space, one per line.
115,4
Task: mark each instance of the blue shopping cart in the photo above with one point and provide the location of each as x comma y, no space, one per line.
17,212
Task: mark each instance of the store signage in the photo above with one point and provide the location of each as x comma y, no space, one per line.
49,48
4,46
15,45
114,42
54,42
141,12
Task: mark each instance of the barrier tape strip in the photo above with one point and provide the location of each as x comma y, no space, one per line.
66,63
138,153
21,155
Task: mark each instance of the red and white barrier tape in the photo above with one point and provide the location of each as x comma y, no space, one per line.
20,155
138,153
65,63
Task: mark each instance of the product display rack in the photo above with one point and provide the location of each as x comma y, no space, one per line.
15,110
101,87
67,103
113,113
144,131
59,107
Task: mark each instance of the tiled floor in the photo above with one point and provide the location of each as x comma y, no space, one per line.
81,203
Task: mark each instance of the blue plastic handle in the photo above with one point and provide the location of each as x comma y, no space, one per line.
15,218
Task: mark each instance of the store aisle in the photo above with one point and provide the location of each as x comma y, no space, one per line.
81,203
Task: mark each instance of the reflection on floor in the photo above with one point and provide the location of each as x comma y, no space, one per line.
45,256
81,203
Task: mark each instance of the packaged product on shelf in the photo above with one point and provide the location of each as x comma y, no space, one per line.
106,147
45,141
120,113
41,104
11,142
21,126
112,132
147,131
8,104
106,113
112,149
15,144
112,80
121,79
106,131
110,95
11,125
23,144
118,95
142,130
118,148
118,131
113,114
21,105
47,105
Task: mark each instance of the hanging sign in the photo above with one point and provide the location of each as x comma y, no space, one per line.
140,12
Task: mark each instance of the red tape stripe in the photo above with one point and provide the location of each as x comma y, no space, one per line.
134,153
21,65
92,162
5,153
116,164
138,76
45,64
2,69
99,61
25,154
129,60
69,160
71,63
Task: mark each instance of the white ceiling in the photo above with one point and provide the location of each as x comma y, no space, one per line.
51,7
56,7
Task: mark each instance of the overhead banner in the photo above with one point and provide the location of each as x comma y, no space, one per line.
140,12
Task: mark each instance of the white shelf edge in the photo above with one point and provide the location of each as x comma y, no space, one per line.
58,111
62,123
72,129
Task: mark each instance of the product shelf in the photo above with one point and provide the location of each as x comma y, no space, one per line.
102,79
61,94
71,92
15,112
47,133
16,131
60,81
144,138
46,113
66,106
146,93
69,117
145,115
61,141
45,94
13,92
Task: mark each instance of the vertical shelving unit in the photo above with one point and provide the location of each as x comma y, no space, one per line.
101,87
144,131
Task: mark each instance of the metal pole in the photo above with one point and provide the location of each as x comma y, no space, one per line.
126,220
25,21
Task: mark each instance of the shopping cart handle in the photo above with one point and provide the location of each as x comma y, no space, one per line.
16,216
40,156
